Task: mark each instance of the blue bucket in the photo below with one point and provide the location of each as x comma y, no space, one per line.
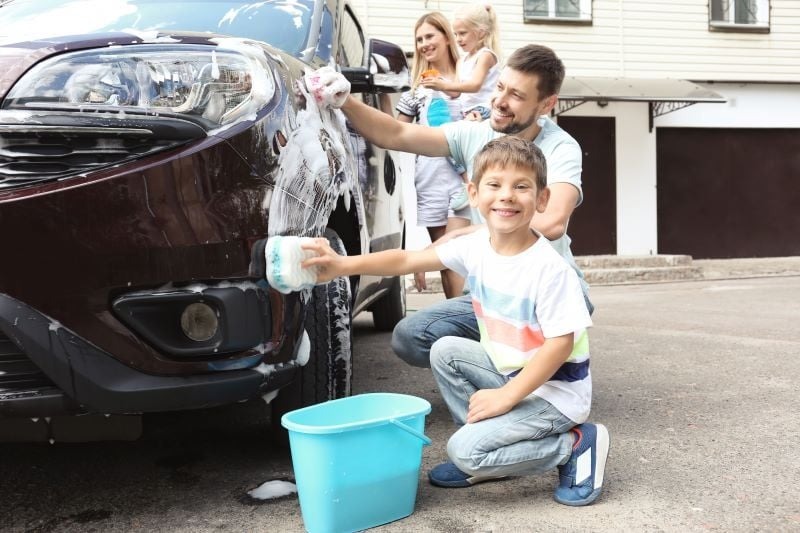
356,460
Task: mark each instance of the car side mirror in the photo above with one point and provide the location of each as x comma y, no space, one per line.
386,70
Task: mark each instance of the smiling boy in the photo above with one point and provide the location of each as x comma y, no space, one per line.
521,395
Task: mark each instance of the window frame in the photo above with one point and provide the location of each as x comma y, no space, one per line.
584,17
762,24
346,39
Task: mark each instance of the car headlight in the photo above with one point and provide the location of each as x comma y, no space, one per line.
210,85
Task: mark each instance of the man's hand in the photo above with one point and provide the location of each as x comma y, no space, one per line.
329,87
488,403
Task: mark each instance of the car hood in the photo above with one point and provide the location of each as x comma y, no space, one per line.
17,58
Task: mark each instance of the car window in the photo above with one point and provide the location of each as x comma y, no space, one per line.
284,24
352,41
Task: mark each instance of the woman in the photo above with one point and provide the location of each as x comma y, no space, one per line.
435,178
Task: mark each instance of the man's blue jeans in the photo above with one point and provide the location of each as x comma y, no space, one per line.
414,335
529,439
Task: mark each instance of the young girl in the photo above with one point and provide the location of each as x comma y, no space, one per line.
435,178
475,27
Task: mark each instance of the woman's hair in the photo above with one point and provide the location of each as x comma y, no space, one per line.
442,25
510,151
482,18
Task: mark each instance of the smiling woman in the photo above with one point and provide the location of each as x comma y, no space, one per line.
285,24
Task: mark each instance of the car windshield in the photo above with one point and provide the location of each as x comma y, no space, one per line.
284,24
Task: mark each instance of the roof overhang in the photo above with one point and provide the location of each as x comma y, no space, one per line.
662,95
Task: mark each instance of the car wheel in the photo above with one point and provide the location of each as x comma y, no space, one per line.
390,308
328,373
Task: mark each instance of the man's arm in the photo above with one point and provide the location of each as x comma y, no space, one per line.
553,222
387,132
385,263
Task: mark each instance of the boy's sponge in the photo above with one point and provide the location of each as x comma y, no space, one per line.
284,255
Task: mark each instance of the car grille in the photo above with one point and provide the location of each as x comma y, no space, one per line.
17,372
34,154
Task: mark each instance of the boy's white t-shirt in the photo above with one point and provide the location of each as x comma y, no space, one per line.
520,301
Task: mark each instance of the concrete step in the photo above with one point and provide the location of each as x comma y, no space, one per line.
614,269
611,276
587,262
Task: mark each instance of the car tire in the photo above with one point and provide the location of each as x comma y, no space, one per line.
390,308
328,373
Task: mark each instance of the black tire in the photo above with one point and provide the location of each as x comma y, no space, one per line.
390,308
328,374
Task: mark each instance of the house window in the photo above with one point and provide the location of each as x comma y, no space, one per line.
558,11
739,15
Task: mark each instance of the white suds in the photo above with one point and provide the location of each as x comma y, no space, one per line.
272,489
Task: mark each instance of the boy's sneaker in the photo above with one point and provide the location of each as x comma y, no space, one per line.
581,478
448,475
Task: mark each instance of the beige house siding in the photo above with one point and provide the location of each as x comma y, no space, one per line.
634,38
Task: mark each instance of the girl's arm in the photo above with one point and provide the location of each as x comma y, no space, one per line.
488,403
485,62
331,265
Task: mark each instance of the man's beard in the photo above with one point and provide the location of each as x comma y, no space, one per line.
513,128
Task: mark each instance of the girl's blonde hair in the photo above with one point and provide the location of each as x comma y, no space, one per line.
420,64
482,17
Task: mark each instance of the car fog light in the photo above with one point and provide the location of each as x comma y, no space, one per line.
199,322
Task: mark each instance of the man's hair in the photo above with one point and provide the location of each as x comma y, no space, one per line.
542,61
510,151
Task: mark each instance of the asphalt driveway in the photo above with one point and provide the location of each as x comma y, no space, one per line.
696,381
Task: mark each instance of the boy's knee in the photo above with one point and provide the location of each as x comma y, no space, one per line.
441,352
460,452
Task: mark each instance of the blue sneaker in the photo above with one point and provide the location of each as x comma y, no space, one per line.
581,478
448,475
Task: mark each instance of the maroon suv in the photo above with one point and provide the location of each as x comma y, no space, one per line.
148,148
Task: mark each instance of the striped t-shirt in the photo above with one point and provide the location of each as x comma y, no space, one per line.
520,301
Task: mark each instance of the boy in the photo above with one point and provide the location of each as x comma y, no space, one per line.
521,394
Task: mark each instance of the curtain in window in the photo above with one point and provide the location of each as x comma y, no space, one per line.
563,8
744,11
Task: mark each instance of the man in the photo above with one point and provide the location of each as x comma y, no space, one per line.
527,90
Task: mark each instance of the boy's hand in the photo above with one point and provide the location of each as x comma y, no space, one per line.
329,87
488,403
328,262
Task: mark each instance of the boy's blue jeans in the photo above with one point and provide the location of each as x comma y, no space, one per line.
530,439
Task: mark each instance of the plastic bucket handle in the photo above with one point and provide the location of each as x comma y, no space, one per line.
424,438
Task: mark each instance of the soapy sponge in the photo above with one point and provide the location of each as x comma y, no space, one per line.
284,255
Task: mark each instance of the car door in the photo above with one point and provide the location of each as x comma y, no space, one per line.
378,175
